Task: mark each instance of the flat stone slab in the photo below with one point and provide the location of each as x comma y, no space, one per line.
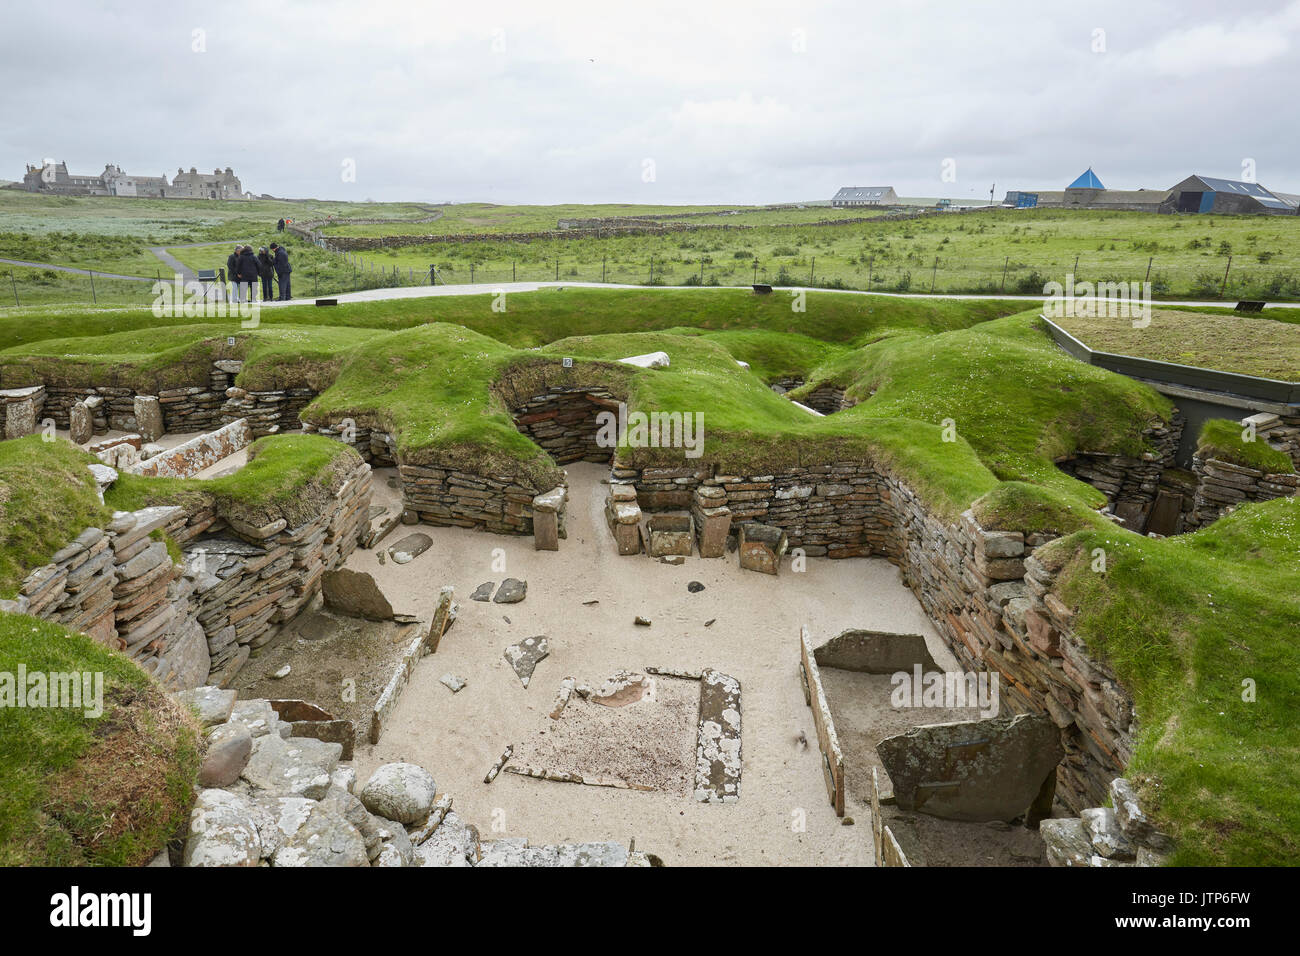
975,770
297,767
484,591
717,754
518,853
525,656
876,652
199,453
212,703
512,591
223,831
410,548
648,360
452,683
356,594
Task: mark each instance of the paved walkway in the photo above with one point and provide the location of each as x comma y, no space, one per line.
487,288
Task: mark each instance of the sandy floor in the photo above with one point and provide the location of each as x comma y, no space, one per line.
754,638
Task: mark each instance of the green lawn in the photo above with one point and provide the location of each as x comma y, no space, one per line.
1248,346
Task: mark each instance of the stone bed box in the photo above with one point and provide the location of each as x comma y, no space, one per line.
667,535
761,547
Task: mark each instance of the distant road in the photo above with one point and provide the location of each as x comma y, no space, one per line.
80,272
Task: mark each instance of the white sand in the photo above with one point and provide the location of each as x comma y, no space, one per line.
754,639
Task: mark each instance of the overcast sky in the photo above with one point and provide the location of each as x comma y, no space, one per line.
707,101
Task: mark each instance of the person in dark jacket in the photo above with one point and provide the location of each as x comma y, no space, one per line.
279,226
232,270
265,269
247,271
282,270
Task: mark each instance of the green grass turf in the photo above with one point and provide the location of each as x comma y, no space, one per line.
75,790
1224,439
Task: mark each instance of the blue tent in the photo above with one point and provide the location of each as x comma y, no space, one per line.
1087,180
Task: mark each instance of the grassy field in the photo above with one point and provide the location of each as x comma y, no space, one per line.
1248,346
1186,256
984,251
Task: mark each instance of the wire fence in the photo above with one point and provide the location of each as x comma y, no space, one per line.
1226,278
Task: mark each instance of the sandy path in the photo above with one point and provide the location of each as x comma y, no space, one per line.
754,638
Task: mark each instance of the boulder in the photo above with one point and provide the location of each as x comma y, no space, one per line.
228,748
223,831
410,548
212,704
322,839
401,792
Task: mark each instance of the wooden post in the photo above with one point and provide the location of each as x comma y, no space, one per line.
1004,274
95,298
934,273
14,283
812,271
1149,261
871,261
512,270
1076,267
557,268
1223,288
603,260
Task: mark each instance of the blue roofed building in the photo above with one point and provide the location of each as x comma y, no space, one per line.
1229,196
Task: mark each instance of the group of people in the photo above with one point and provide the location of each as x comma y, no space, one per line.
244,268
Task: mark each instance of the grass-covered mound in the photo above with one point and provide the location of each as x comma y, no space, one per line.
1020,402
109,790
287,476
535,318
177,356
47,498
1202,629
1221,438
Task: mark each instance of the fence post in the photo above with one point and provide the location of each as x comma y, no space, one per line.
701,270
471,273
1149,261
812,271
934,273
1076,267
557,268
512,270
1004,275
1223,288
603,259
431,282
755,272
652,270
871,262
94,298
14,283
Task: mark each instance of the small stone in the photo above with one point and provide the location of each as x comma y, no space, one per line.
512,591
641,621
483,592
695,587
228,748
526,655
282,673
452,682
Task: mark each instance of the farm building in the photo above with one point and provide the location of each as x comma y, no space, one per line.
1208,194
865,196
1088,192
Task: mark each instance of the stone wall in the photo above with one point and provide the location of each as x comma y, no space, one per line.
195,623
828,399
1130,484
450,497
562,421
1222,485
1279,431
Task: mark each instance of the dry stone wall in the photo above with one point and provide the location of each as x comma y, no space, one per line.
1222,485
198,622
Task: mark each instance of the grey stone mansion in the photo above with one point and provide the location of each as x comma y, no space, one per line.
52,177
